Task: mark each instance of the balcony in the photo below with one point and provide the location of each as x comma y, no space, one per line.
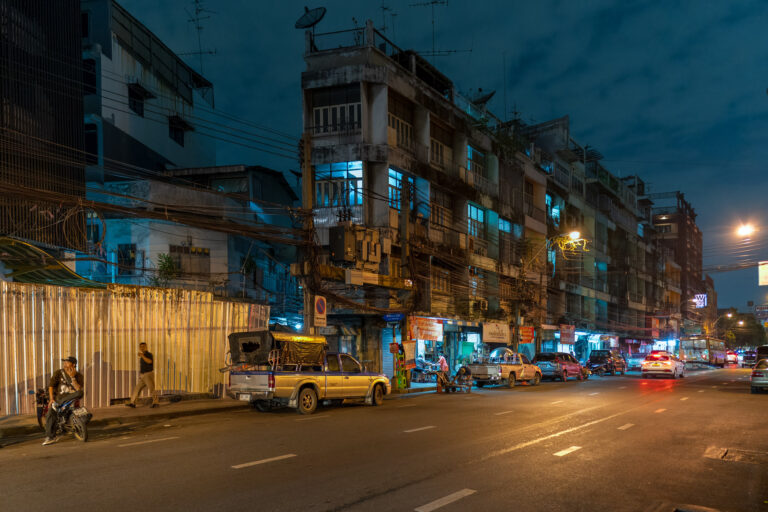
476,180
478,246
535,212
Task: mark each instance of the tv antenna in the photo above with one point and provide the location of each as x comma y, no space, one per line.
196,18
432,4
310,18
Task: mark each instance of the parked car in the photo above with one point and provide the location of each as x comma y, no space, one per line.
505,366
271,369
760,376
635,361
662,363
611,362
731,357
748,359
560,365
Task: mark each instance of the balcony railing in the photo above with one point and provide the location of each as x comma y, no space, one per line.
476,180
350,38
535,212
478,246
330,216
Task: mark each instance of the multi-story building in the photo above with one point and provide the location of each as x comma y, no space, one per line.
41,140
675,221
425,205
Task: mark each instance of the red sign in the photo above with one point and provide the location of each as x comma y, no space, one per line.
394,348
526,334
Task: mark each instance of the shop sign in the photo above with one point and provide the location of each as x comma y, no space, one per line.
393,317
409,349
567,333
762,273
526,334
320,311
428,329
394,348
495,332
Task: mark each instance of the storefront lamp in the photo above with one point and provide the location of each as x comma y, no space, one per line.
574,235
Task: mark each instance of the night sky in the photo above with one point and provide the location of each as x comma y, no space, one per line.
672,91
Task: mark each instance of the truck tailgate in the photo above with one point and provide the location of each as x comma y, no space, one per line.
484,371
250,385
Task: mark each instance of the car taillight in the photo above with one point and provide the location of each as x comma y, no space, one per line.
758,374
271,381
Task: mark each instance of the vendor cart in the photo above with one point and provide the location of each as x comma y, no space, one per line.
461,382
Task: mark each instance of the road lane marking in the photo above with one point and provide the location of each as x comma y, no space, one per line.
726,383
147,442
264,461
565,452
418,429
445,500
622,387
627,426
659,410
406,405
313,417
684,398
502,412
593,394
557,402
701,391
714,387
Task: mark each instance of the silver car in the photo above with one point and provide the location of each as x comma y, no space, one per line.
760,376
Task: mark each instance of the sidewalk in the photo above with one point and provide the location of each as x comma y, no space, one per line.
12,426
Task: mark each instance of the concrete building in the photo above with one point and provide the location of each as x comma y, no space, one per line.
427,210
41,140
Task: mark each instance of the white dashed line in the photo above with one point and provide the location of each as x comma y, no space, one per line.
627,426
659,410
313,417
701,391
622,387
147,442
557,402
418,429
406,405
264,461
572,449
684,398
593,394
502,412
445,500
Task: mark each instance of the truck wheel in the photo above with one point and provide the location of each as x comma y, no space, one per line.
378,395
307,401
511,380
480,383
536,380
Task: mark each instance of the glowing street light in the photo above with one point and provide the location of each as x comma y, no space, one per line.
574,235
745,230
741,323
729,315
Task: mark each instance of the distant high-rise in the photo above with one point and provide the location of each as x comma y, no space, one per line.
41,119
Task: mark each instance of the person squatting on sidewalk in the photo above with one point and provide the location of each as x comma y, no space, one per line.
146,376
65,384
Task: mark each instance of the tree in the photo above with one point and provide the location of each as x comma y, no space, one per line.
167,270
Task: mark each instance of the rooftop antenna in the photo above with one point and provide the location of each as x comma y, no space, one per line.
196,18
432,4
310,18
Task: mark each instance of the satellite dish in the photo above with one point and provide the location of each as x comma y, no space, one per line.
311,17
481,99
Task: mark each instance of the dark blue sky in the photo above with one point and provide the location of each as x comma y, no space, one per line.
672,91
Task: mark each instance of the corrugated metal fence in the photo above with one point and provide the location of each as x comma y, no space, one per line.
186,332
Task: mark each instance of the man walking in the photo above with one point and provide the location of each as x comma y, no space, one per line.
66,384
146,376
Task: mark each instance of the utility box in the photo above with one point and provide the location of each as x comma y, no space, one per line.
341,243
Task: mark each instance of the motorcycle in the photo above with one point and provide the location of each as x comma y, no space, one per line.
597,368
72,417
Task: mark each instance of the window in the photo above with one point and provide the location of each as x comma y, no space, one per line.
176,129
441,280
191,260
336,109
126,259
349,365
91,144
664,228
396,189
333,363
136,103
476,218
401,132
441,213
339,184
475,161
505,226
84,24
89,76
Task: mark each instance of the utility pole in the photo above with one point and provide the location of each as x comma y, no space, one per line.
307,187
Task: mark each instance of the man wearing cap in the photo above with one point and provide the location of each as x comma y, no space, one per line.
66,384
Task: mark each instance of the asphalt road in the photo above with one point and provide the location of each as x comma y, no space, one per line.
610,443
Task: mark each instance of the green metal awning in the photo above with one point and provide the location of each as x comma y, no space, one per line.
25,263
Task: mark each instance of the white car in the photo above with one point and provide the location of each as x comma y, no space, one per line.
760,376
662,363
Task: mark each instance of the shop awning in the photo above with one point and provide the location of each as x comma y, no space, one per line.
30,264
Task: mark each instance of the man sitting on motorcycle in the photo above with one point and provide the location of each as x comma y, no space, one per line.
66,384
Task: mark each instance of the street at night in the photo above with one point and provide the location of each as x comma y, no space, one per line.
610,443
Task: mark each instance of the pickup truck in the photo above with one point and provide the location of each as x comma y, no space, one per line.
280,369
505,366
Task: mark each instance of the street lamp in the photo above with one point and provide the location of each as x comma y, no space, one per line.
745,230
741,323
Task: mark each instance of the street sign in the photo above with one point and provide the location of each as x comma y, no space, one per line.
393,317
320,311
700,299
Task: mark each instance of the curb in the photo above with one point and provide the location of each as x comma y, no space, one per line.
413,390
23,430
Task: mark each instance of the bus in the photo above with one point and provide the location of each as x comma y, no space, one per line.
703,349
